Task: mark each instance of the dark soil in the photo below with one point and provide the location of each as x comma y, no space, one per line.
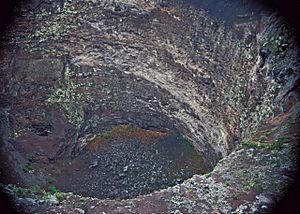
128,167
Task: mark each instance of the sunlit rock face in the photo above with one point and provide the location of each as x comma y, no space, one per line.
97,77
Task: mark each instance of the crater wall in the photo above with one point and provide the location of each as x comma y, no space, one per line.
157,65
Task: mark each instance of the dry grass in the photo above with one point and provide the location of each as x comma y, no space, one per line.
125,132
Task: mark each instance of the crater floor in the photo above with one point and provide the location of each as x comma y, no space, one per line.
127,162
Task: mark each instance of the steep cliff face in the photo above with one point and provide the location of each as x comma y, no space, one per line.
162,67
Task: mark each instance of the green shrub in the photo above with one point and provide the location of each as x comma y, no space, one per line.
53,189
60,196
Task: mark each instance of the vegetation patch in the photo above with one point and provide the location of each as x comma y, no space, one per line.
262,143
55,28
28,167
67,98
38,193
276,44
